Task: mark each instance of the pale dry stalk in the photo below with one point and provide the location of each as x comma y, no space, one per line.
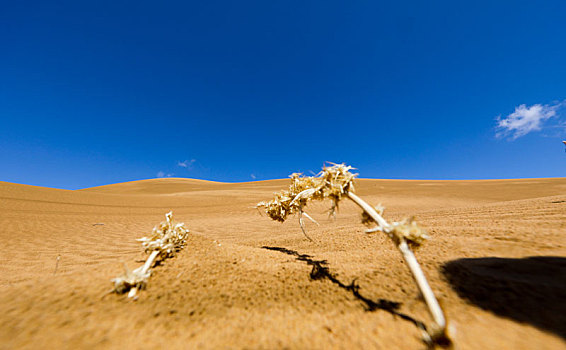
57,264
439,329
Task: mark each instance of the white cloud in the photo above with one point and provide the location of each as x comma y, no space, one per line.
187,163
163,174
253,176
526,119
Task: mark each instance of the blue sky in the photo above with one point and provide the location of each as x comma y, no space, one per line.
93,93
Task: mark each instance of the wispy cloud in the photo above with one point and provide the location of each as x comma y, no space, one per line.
527,119
253,176
187,163
163,174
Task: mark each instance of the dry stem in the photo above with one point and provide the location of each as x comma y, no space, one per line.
422,283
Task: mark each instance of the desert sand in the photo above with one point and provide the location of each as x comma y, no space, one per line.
496,260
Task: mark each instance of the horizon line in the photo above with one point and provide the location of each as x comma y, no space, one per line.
278,179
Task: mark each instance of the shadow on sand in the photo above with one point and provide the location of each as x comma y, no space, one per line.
531,290
320,271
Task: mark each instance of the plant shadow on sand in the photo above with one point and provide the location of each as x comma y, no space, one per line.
320,271
530,290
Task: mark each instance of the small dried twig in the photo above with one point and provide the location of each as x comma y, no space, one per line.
166,240
57,264
336,182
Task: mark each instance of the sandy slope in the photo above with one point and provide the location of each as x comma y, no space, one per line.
247,282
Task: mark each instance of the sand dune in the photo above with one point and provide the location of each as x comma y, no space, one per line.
496,260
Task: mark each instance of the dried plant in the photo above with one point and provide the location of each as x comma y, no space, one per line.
336,182
164,242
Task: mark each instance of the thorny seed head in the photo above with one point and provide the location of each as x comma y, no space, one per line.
409,231
332,183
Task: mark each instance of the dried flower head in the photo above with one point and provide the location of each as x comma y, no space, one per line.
332,182
167,238
409,231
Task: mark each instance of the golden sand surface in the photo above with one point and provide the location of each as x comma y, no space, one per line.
496,261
